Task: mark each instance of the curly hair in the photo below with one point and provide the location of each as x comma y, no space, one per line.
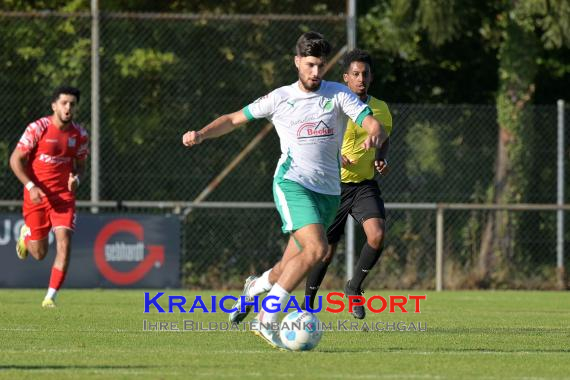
356,55
67,90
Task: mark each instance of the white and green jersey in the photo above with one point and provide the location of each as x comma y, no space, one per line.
311,127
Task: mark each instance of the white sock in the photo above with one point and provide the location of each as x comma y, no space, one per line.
51,293
283,297
260,285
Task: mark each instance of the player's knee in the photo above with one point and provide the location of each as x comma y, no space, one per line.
40,252
376,239
328,256
315,252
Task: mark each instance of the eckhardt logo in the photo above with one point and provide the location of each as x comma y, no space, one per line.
120,251
314,130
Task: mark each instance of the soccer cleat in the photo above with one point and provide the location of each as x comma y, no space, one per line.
358,312
269,336
21,249
237,316
48,303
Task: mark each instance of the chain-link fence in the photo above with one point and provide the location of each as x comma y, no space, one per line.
159,77
164,74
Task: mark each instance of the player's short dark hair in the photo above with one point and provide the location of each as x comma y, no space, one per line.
313,44
356,55
67,90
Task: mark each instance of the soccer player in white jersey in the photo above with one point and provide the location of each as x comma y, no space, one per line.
309,117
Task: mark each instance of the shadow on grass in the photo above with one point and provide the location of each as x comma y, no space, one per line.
63,367
498,330
444,350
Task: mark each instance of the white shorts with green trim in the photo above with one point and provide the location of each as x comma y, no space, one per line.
299,206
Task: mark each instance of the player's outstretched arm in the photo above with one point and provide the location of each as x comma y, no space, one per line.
219,127
376,133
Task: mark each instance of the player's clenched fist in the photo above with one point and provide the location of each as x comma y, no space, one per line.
191,138
36,195
345,161
372,142
382,166
72,182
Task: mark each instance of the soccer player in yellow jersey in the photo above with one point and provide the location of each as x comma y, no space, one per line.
360,194
360,197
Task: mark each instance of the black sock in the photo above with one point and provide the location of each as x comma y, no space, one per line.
314,280
368,257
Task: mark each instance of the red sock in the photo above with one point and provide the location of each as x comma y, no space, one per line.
56,279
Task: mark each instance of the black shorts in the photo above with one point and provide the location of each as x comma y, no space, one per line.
361,200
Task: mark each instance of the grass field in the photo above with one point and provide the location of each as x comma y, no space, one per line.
470,335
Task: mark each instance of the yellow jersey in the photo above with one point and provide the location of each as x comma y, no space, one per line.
363,166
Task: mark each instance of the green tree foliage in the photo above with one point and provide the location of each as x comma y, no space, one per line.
517,40
158,80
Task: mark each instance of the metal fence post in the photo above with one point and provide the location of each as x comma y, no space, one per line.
94,102
439,249
351,25
561,273
349,228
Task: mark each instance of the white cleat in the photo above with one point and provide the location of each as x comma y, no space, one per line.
269,336
239,315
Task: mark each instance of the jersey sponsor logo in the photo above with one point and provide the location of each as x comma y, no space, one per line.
53,159
314,130
52,140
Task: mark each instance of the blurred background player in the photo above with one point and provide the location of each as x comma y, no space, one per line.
49,160
360,196
309,118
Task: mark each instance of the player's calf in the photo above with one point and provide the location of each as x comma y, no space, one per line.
38,248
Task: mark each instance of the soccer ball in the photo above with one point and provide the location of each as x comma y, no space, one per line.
300,331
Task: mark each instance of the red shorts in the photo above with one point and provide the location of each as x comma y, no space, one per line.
48,215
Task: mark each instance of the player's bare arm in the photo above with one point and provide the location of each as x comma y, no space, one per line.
376,133
219,127
76,176
18,161
380,162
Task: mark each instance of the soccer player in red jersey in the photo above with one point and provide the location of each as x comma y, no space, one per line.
49,160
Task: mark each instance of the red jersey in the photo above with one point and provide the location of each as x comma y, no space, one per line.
51,152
